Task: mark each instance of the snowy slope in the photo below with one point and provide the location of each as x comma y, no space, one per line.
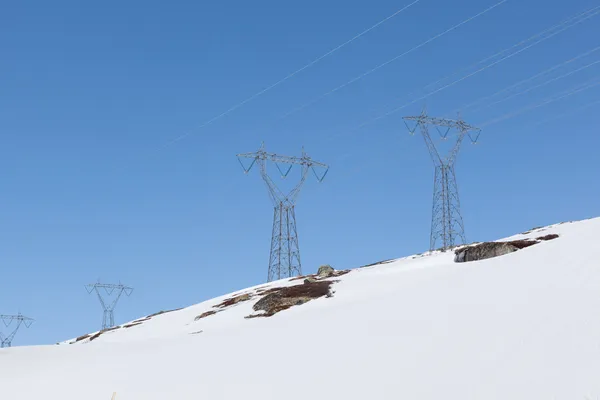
521,326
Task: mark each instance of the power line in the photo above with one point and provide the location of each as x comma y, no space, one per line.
574,111
395,110
538,75
289,76
568,93
564,22
543,84
378,67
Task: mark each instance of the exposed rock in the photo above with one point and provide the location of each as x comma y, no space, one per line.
551,236
282,298
484,250
377,263
163,312
204,315
325,271
521,244
98,334
297,278
234,300
309,279
132,324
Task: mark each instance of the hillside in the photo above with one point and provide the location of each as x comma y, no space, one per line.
525,325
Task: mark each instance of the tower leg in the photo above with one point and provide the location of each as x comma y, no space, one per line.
295,266
284,260
437,210
447,226
457,225
275,255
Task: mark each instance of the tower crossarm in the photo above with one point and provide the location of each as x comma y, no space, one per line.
423,122
108,306
261,157
6,341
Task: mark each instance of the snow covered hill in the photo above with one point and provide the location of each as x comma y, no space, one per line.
525,325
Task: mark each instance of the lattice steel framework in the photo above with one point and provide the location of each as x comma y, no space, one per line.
284,260
8,320
108,317
447,225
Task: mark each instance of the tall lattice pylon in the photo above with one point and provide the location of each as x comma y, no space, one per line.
14,322
447,225
284,260
108,305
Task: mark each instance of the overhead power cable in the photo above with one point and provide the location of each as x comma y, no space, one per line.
474,104
378,67
543,84
289,76
569,113
577,89
395,110
562,26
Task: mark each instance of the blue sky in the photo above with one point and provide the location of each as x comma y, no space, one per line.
91,94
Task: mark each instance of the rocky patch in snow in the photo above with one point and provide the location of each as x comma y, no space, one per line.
282,298
92,336
482,251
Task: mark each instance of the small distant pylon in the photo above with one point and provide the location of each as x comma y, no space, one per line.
284,260
108,318
447,224
6,341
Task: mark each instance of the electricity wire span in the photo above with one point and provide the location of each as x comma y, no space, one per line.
577,89
473,104
564,94
458,71
378,67
395,110
543,84
562,26
569,113
289,76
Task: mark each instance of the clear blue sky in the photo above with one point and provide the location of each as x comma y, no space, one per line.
90,94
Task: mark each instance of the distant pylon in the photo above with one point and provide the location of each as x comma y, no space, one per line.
6,341
108,318
284,260
447,224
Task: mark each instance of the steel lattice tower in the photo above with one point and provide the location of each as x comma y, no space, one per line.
284,260
6,341
108,319
447,224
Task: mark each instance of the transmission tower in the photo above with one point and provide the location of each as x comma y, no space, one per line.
284,260
8,320
446,220
108,305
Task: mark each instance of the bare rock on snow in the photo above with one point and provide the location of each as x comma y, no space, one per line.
282,298
484,250
325,271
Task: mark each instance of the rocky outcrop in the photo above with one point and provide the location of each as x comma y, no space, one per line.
484,250
279,299
481,251
325,271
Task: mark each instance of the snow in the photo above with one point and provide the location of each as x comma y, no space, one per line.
521,326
